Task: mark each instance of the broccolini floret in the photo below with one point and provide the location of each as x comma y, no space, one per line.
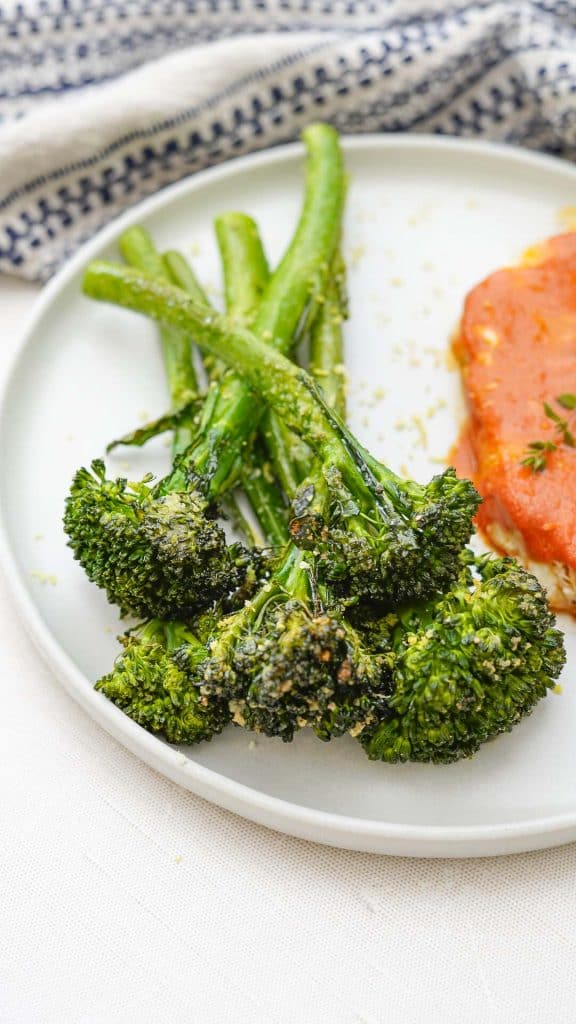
469,665
380,537
289,659
149,685
153,553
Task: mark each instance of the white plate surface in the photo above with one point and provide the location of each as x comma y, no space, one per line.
427,218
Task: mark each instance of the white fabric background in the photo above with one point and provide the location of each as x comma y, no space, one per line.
124,900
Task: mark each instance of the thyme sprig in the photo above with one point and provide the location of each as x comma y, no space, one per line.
561,424
537,452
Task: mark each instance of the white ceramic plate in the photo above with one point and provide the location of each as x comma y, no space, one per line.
427,218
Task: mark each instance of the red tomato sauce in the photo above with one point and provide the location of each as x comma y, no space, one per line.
517,349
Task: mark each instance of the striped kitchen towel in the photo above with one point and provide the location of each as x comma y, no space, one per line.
105,101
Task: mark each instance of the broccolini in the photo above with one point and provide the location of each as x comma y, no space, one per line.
155,547
468,665
370,616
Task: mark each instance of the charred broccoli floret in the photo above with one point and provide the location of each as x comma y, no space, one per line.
469,666
150,686
399,544
153,553
307,671
279,664
287,661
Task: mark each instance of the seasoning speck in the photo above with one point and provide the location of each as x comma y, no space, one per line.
44,577
357,253
567,218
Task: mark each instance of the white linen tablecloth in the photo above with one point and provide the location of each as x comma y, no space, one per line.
125,900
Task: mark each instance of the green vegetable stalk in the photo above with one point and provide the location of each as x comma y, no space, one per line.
296,286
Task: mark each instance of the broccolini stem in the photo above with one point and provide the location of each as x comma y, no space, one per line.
288,453
301,276
139,251
173,635
179,271
290,582
238,241
326,341
261,494
244,265
245,276
297,284
265,500
312,501
243,262
295,576
181,274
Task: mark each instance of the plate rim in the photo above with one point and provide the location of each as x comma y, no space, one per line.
329,828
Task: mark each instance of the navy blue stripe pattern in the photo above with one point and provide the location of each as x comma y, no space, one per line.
502,70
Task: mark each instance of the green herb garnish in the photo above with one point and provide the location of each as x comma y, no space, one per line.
537,452
567,401
560,423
